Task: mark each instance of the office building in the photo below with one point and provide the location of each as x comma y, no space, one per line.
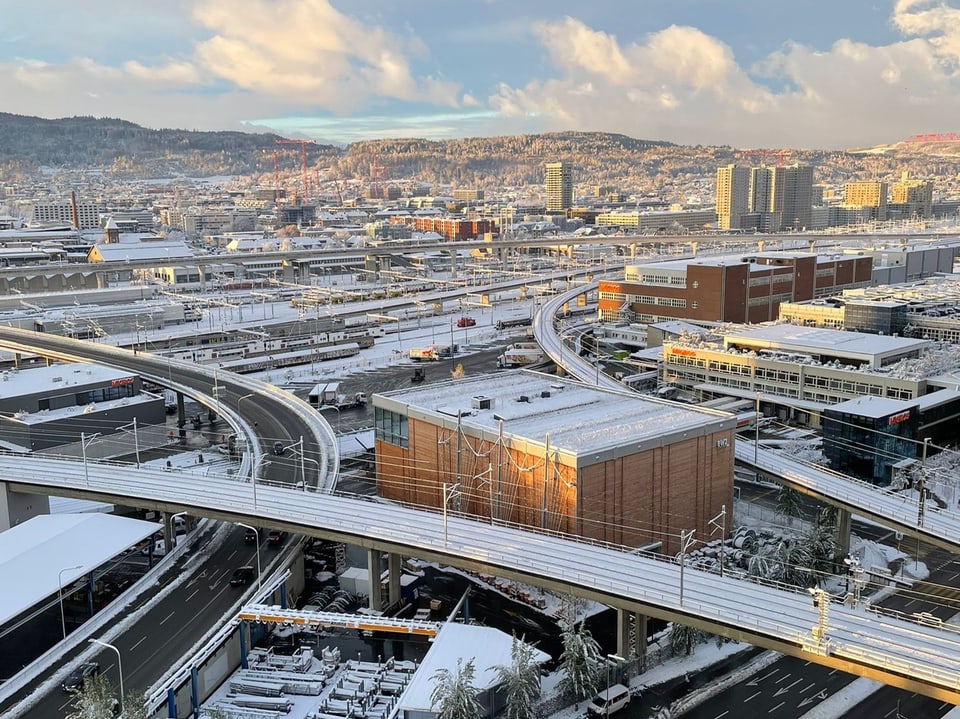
791,195
61,212
559,186
735,289
548,453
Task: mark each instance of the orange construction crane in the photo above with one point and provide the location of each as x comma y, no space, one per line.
779,154
304,180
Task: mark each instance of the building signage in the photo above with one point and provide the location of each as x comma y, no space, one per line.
899,417
683,352
122,381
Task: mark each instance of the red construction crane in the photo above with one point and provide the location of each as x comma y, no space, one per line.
779,154
304,180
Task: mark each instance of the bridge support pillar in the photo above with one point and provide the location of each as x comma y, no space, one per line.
633,250
102,280
453,264
373,577
181,418
843,532
394,561
693,247
631,634
504,254
18,507
168,532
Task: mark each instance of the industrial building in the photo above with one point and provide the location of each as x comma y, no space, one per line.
795,373
545,452
733,289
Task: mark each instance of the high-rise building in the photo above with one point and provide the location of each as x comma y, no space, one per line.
916,194
559,186
792,195
733,195
872,194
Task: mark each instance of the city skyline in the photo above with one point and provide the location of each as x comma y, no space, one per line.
691,72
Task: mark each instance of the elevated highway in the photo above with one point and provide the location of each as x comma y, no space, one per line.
913,655
258,410
940,527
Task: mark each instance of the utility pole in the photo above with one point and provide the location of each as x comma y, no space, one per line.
686,541
720,523
546,474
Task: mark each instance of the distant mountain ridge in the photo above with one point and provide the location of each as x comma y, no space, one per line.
605,159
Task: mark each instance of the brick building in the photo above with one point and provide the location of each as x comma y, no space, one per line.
452,228
545,452
745,289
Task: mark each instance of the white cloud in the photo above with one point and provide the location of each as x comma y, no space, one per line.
684,85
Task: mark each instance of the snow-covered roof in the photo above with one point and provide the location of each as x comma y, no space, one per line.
580,419
873,407
836,343
130,251
33,554
30,381
485,646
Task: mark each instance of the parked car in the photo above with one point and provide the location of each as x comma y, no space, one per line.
76,680
242,576
278,448
466,322
276,538
609,701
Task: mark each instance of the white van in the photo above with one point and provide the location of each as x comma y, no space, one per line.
609,701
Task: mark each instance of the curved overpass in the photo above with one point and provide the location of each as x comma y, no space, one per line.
259,409
885,647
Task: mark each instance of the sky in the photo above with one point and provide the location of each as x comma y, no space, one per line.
828,74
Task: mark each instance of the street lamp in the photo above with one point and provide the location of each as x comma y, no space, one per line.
63,616
119,667
136,438
619,660
84,441
303,470
249,394
256,532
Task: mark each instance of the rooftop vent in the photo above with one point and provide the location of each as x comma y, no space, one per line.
481,402
545,393
523,398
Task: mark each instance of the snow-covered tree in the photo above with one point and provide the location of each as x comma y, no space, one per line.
98,699
788,502
521,681
453,695
822,542
581,662
684,639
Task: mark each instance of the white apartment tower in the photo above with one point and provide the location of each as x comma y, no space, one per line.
559,186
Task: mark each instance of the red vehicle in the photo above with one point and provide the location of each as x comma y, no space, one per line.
466,322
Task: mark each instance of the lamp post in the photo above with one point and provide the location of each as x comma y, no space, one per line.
619,660
84,441
256,532
249,394
119,667
63,616
136,438
756,437
303,470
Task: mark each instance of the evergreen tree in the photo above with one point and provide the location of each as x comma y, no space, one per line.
521,681
454,696
822,542
581,662
684,639
788,502
98,700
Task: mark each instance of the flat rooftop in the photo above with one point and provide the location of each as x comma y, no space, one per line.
817,340
578,418
15,383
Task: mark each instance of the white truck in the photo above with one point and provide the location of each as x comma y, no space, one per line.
349,401
324,393
432,353
521,353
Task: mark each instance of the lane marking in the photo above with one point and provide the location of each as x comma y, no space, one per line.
138,643
168,616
